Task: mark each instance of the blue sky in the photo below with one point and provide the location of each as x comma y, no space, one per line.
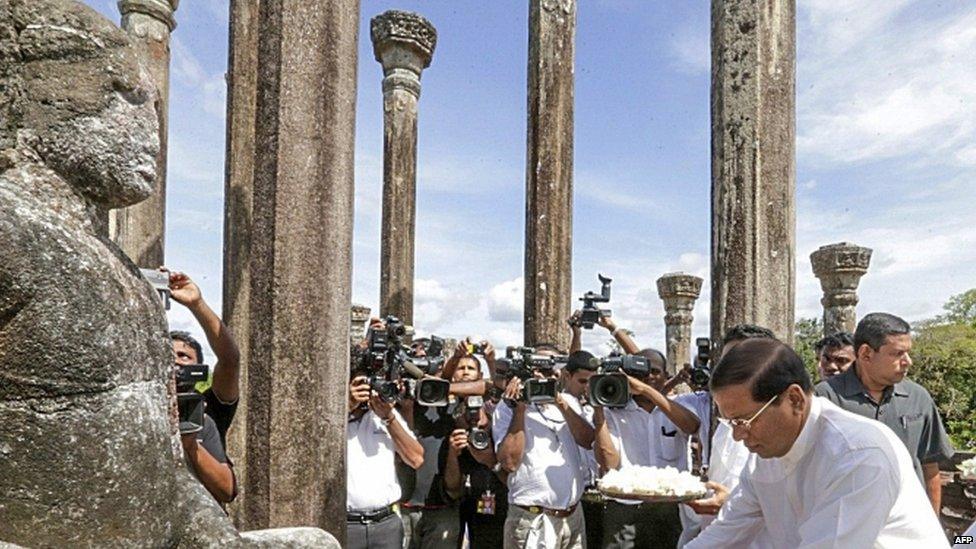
886,155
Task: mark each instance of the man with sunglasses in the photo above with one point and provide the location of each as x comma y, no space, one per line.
651,430
818,476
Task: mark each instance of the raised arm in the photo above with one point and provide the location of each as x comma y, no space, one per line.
226,373
582,431
682,417
620,335
603,448
509,428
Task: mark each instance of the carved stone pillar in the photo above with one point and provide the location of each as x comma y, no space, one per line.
840,268
549,172
300,264
242,76
359,320
679,291
753,165
403,43
139,229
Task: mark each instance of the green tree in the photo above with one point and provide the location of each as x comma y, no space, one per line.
944,362
806,333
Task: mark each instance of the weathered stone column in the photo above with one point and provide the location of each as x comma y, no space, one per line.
753,164
300,268
242,74
359,316
840,268
403,43
139,229
679,291
549,172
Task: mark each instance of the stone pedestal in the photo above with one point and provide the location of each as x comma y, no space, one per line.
403,43
238,214
300,265
359,317
139,230
840,268
679,291
753,165
549,172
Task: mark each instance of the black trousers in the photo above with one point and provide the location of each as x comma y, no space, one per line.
383,534
484,531
644,526
593,515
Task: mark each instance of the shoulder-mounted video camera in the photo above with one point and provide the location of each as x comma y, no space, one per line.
387,359
590,314
609,386
523,362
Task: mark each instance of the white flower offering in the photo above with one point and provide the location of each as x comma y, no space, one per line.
968,469
652,481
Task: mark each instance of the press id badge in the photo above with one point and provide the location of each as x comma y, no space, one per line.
486,503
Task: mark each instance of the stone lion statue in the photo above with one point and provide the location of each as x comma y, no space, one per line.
89,452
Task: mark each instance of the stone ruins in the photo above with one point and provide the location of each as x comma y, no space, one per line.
83,393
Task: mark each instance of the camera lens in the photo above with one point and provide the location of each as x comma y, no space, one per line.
609,390
479,439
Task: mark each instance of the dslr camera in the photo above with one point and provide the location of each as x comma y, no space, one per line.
701,372
590,314
478,438
523,362
609,386
189,401
387,359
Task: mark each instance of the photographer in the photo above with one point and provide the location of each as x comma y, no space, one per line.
651,430
206,459
375,432
539,446
430,511
470,475
222,395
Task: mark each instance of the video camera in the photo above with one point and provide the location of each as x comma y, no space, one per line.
523,362
701,372
387,359
590,314
188,400
609,386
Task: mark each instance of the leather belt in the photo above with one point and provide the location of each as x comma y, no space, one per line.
557,513
372,516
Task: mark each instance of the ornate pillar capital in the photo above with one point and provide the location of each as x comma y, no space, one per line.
679,291
403,42
840,268
160,10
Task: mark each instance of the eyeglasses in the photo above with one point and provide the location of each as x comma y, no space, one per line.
746,423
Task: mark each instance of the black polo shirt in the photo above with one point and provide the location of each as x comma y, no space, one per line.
906,407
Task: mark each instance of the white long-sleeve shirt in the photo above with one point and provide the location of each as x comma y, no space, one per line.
846,482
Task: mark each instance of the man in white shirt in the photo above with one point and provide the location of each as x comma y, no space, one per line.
538,445
651,430
819,476
374,432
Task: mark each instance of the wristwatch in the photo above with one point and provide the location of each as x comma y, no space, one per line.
387,420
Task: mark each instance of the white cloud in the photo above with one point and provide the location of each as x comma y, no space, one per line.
691,50
506,301
187,71
872,87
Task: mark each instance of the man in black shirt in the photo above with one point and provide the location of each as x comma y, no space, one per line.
471,473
